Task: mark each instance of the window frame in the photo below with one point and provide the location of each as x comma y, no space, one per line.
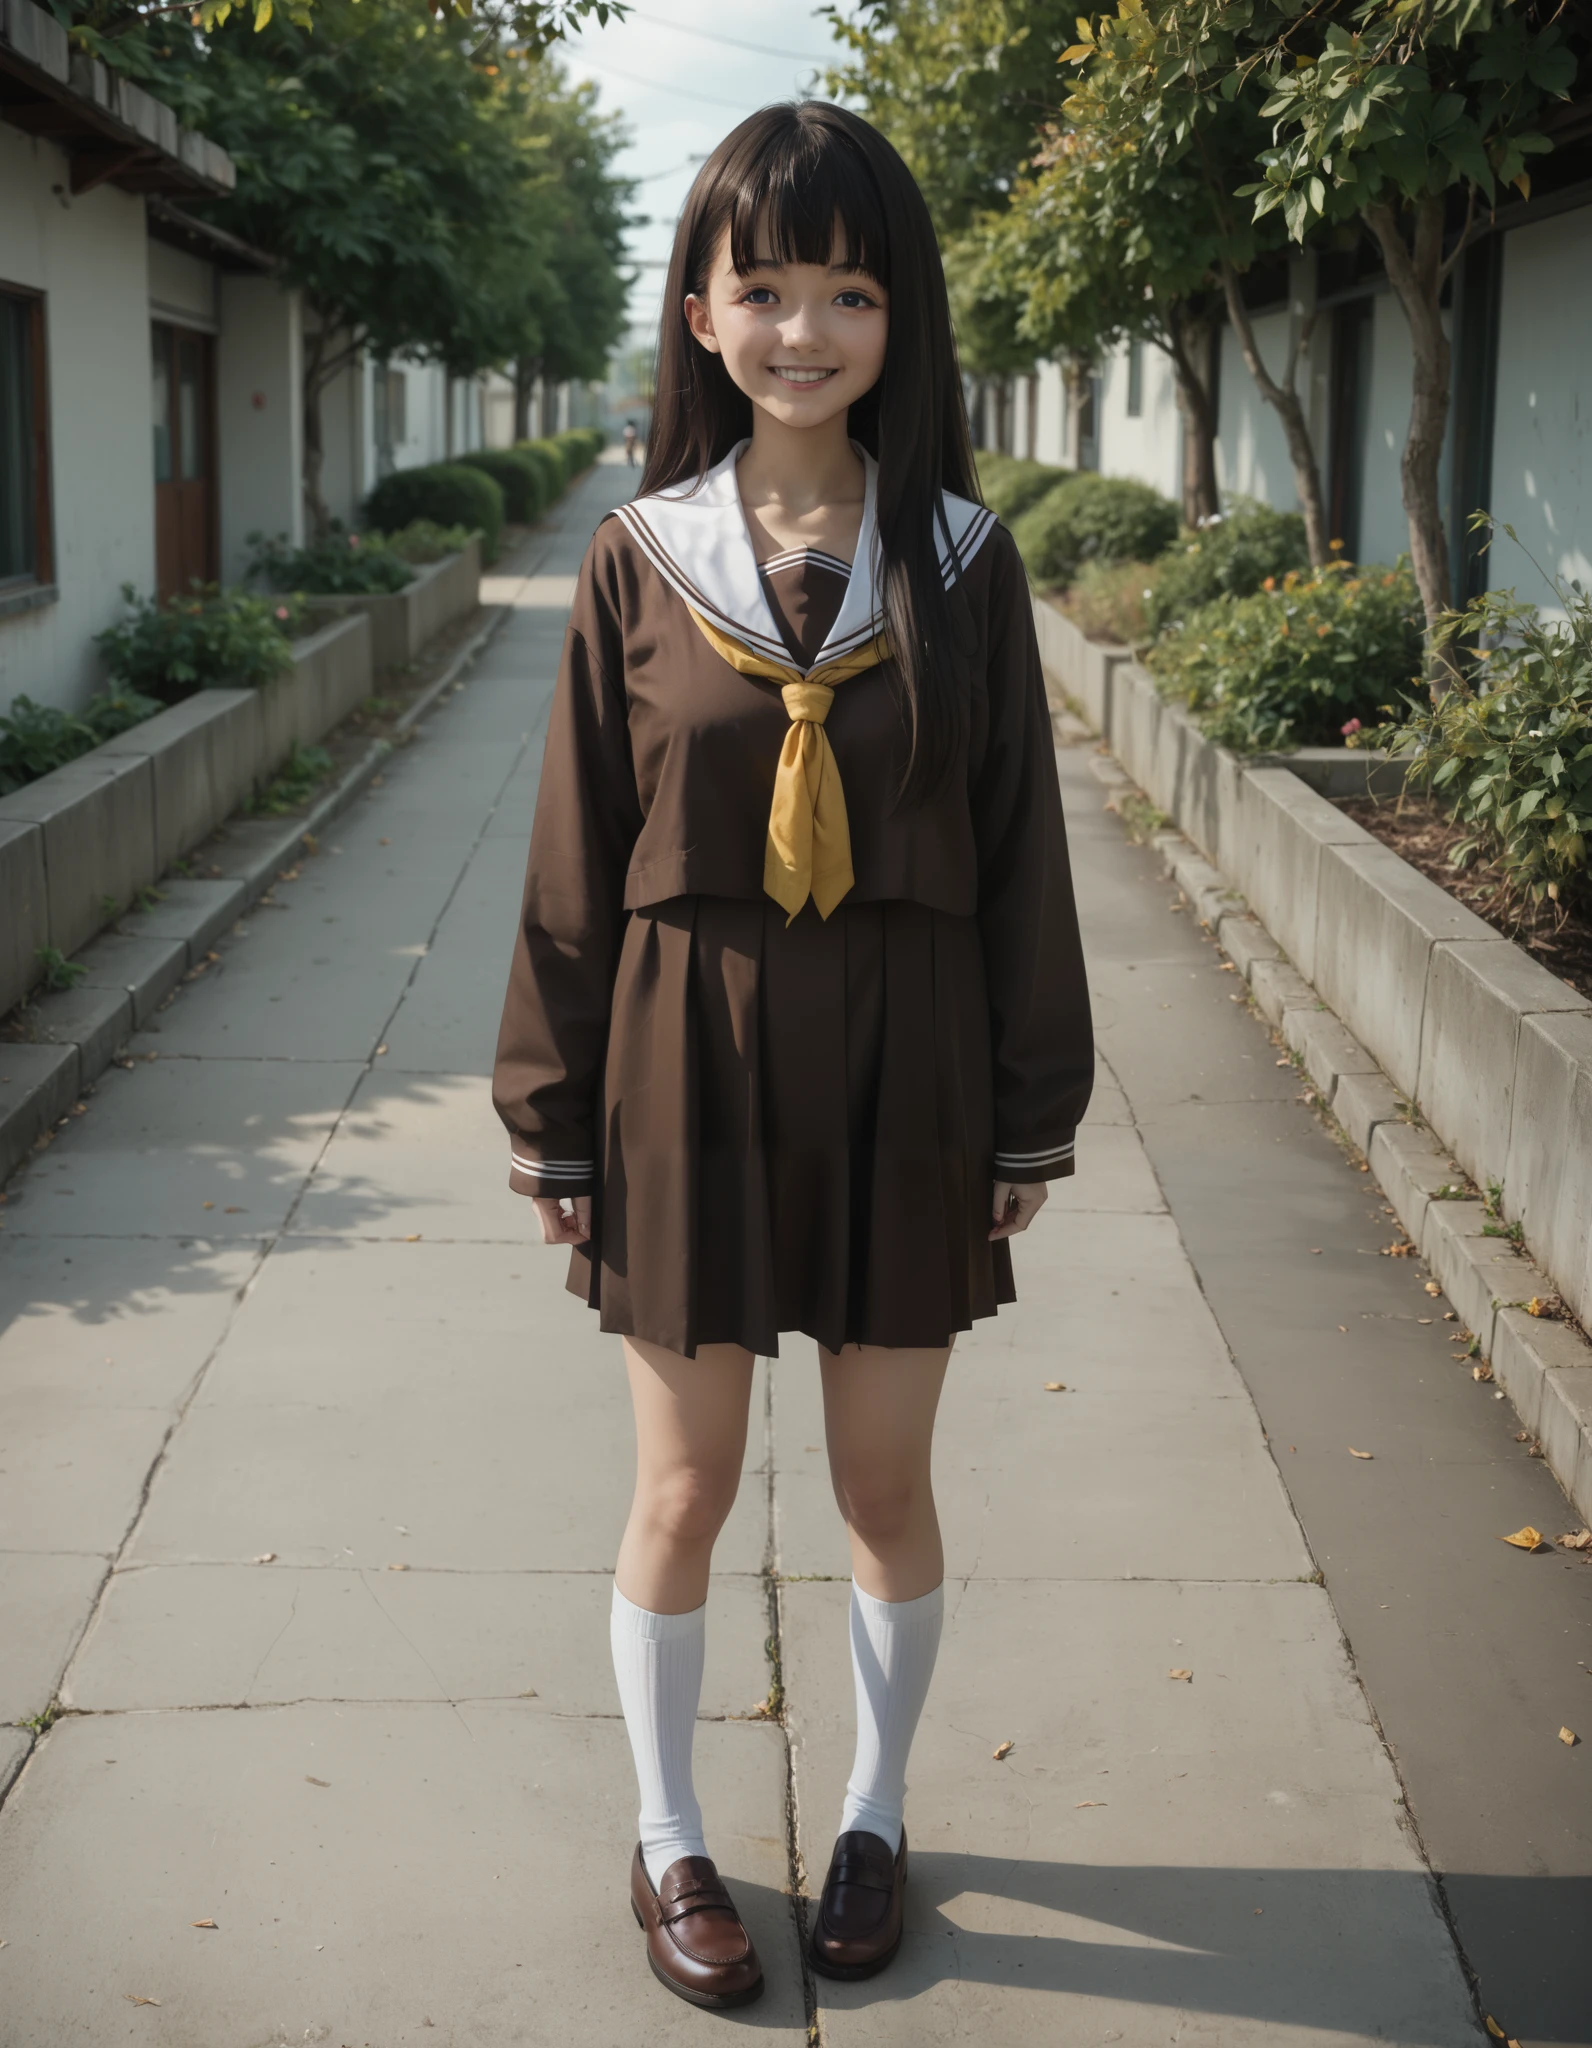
41,577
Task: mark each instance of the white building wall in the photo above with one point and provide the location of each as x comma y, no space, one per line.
259,416
183,288
87,254
1148,447
1050,442
1251,447
1542,439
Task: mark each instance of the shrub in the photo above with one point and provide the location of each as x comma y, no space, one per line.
1231,557
1111,601
342,564
1011,484
422,540
446,492
517,476
210,638
1301,661
36,739
1509,749
551,464
585,444
1085,518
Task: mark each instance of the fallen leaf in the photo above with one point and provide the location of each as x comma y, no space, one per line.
1080,1804
1315,1251
531,1693
232,1209
1399,1251
397,1567
324,1783
1423,1319
133,1998
380,1050
1187,1676
1283,1063
1568,1737
201,1923
1522,1436
1579,1539
1055,1386
1481,1372
266,1557
1525,1539
413,1237
1353,1453
1536,1306
1344,1328
1432,1287
208,1205
309,842
1002,1749
384,842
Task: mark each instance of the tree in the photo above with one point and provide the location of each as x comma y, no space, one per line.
405,189
1404,116
1176,127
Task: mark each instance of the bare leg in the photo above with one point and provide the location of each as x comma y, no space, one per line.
879,1408
690,1446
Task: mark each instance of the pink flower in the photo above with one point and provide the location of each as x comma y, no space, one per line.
1352,726
281,611
353,540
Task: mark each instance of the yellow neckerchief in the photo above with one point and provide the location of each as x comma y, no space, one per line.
808,851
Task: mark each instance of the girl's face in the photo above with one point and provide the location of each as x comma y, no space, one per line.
802,340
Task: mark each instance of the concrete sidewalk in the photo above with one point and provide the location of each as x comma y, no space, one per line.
311,1478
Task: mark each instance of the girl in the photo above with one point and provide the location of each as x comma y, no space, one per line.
797,1027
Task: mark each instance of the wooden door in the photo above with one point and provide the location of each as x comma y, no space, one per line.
183,395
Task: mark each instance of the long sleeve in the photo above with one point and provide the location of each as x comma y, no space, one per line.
554,1032
1041,1037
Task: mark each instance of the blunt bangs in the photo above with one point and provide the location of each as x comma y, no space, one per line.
789,193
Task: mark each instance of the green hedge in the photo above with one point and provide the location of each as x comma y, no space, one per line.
209,638
1090,518
448,493
518,477
1231,557
550,462
1306,661
584,445
1011,483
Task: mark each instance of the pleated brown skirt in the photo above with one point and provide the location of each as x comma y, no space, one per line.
797,1130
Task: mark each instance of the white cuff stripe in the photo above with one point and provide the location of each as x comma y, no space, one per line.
1036,1158
551,1169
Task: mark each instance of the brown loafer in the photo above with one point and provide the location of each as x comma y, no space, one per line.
858,1927
696,1944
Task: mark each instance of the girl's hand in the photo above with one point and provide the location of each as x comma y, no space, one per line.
559,1225
1016,1206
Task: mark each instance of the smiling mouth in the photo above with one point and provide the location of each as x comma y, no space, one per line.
788,374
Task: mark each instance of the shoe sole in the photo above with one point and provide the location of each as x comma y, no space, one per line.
851,1973
710,2001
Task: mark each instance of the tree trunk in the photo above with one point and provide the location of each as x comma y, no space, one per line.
1417,279
1031,423
316,380
1284,399
1189,340
526,371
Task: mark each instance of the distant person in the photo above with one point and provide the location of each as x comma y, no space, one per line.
631,438
797,1027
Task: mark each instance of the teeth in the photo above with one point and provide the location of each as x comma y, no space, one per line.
803,376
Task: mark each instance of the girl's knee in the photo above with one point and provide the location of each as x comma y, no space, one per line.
687,1506
882,1507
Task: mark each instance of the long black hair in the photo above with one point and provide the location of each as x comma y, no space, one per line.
783,184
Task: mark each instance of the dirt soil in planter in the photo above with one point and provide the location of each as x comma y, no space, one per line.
1422,833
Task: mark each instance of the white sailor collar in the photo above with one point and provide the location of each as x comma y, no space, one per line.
696,537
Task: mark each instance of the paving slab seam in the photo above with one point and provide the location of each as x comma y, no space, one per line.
33,1111
54,1711
796,1874
1187,867
1541,1358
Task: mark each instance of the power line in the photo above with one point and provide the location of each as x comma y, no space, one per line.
734,42
660,85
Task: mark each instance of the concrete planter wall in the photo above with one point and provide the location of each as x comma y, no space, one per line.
109,823
402,621
1495,1051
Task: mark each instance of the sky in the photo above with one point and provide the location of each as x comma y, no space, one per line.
682,75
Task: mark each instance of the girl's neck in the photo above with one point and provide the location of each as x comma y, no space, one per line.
801,486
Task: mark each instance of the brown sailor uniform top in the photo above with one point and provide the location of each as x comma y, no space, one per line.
788,1122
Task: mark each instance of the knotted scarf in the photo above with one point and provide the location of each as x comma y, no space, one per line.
808,850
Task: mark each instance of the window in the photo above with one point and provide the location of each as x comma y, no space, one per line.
1135,380
24,451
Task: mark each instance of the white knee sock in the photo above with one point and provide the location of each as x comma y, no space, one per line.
893,1646
658,1663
